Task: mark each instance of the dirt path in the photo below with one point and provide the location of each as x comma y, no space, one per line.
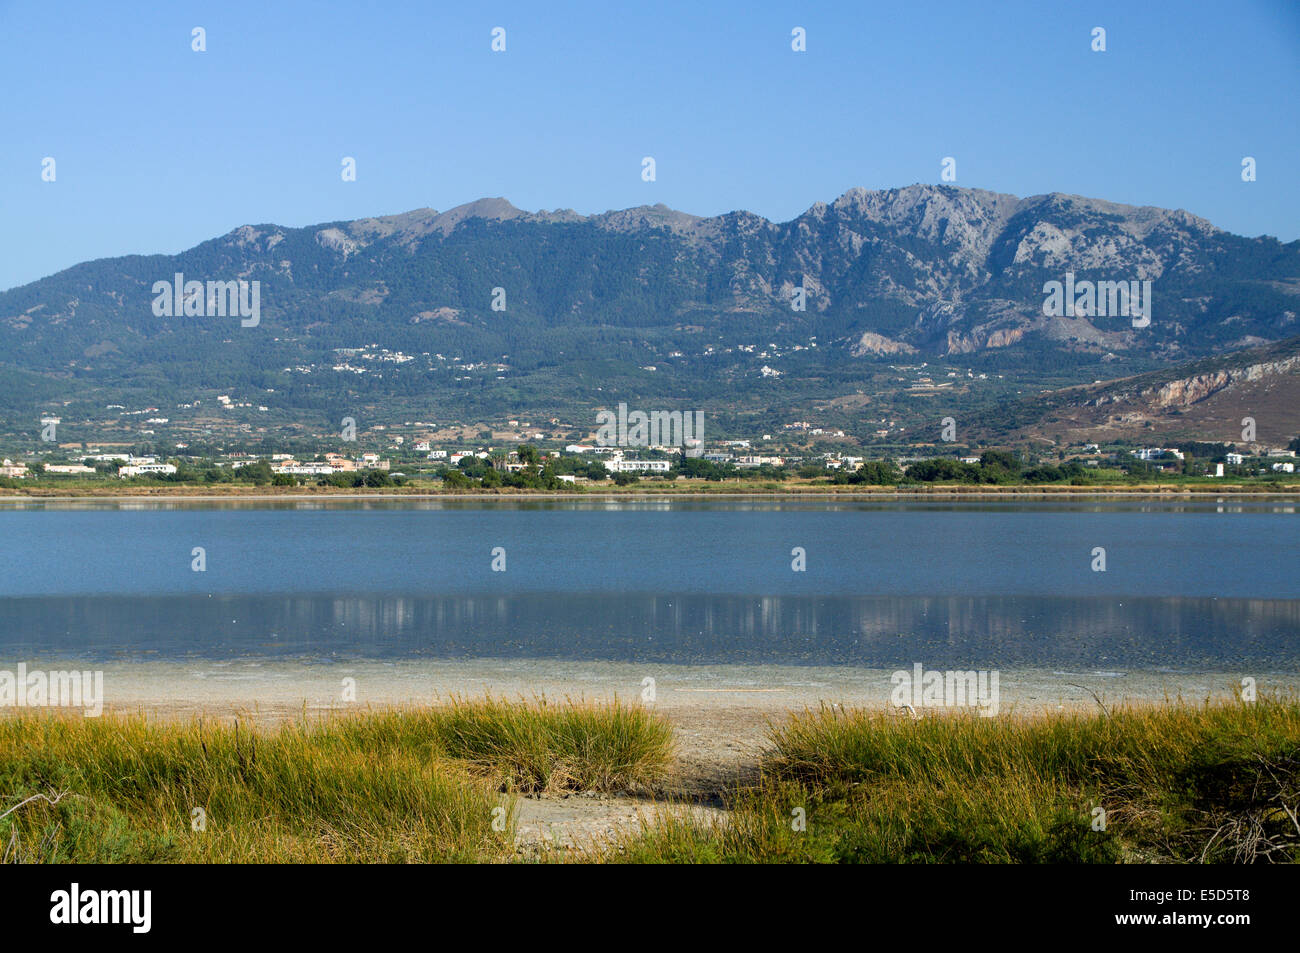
716,749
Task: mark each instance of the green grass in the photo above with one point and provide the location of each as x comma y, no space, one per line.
1177,783
401,786
549,747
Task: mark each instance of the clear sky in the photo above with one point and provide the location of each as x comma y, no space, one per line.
158,147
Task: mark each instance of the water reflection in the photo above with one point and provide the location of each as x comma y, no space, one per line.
969,631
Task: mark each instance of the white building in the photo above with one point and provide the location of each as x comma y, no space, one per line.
306,469
1284,468
1155,453
1236,459
619,465
146,469
122,458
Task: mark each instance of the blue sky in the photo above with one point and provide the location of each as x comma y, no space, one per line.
159,147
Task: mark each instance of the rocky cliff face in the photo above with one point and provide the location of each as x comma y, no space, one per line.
877,344
1204,400
1189,390
1184,391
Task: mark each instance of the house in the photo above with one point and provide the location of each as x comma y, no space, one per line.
68,468
1156,453
1284,468
619,465
11,469
1236,459
146,469
305,469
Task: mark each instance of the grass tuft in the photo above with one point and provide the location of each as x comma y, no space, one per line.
392,786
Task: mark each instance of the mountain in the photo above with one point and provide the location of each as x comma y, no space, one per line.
1208,400
395,314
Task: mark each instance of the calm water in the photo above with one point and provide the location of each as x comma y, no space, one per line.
1187,585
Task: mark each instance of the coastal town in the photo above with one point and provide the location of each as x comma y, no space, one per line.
402,452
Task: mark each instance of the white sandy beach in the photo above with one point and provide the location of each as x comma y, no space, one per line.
204,686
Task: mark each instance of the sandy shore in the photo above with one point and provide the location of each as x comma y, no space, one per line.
253,686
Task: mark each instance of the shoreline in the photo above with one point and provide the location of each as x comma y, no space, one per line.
260,494
274,689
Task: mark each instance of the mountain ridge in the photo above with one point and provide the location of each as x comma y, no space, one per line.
659,302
